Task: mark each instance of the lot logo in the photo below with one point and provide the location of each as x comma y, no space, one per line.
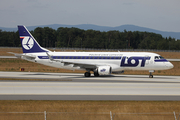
103,70
133,61
27,42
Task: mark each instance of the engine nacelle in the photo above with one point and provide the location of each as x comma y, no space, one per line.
104,70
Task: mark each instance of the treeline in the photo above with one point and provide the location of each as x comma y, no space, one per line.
78,38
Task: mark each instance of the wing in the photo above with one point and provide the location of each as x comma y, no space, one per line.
77,64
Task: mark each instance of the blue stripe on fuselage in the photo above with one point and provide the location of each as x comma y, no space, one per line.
161,60
81,57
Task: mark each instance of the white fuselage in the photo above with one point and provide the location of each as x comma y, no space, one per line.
117,60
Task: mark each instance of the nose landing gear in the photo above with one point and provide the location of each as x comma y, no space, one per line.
150,73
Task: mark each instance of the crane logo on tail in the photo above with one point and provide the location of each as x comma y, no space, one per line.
27,42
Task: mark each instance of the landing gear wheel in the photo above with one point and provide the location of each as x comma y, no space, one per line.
150,75
87,74
96,74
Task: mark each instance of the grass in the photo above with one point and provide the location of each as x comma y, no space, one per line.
3,51
90,106
16,64
79,110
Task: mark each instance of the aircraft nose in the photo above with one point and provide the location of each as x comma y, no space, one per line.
170,65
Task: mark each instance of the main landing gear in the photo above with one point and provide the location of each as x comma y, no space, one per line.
87,74
150,73
96,74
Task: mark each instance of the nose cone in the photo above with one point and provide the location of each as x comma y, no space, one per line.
170,65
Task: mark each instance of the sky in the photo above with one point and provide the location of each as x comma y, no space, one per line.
161,15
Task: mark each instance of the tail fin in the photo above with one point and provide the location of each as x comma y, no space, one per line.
29,44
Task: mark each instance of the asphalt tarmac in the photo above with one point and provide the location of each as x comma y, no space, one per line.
70,86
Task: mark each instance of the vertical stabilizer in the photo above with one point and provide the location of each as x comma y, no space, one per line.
28,42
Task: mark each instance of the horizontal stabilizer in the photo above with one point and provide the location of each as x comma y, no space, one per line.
24,56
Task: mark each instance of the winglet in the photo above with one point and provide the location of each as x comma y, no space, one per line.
49,57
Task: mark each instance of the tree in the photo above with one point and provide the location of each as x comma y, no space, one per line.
75,37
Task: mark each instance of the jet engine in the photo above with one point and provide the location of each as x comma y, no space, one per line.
104,70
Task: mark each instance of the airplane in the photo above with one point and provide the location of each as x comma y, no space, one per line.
100,63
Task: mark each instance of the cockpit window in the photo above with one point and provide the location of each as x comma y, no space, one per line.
156,57
161,57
